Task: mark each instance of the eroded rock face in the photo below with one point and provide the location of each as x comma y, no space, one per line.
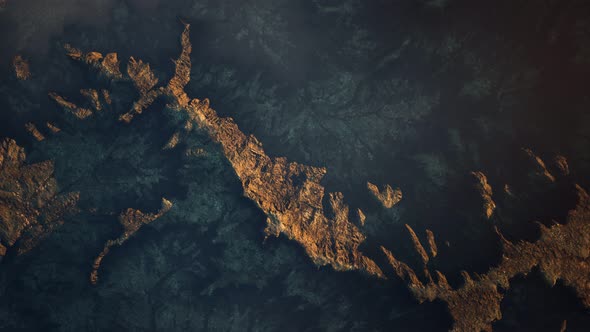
52,128
485,191
30,203
539,168
131,220
562,252
92,96
291,196
141,74
32,129
289,193
79,112
388,197
108,65
431,243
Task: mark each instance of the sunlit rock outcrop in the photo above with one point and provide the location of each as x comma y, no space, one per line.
431,243
174,88
106,95
31,205
485,191
418,247
289,193
172,141
108,65
361,216
388,196
93,98
561,253
52,128
32,129
539,168
141,74
131,220
292,198
79,112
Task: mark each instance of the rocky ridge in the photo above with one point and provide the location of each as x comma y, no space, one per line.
561,253
289,193
291,196
131,220
31,205
485,191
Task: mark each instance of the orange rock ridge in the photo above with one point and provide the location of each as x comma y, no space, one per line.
539,166
53,128
32,129
93,97
108,65
431,243
291,196
485,191
562,252
79,112
388,196
30,203
289,193
131,220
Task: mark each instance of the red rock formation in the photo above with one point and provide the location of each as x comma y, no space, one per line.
388,196
485,191
53,128
131,220
361,217
174,88
172,142
290,194
562,252
142,76
30,203
79,112
107,65
431,243
92,96
539,168
32,129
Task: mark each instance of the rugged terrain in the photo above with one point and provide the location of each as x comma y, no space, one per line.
290,191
